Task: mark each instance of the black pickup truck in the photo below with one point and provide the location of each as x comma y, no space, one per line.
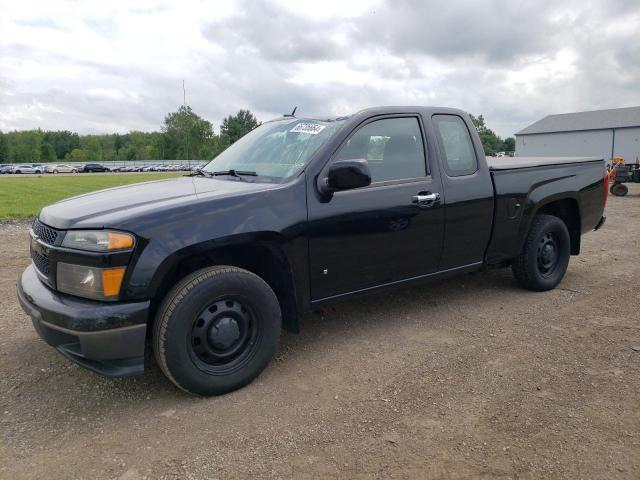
299,212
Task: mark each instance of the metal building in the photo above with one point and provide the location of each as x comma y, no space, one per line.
599,133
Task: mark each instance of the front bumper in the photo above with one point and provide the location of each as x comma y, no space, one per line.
108,338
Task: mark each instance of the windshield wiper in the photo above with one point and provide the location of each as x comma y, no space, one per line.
235,173
199,171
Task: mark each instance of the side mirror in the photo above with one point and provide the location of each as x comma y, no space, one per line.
345,175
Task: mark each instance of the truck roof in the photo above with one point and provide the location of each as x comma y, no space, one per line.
376,110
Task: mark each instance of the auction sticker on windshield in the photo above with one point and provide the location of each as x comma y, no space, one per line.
312,128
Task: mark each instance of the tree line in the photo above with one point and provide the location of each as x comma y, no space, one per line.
491,142
183,136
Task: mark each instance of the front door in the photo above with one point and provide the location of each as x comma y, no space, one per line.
387,232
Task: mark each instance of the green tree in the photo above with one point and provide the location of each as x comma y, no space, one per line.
92,144
236,126
491,142
78,155
4,148
188,136
108,146
509,144
24,146
142,146
184,135
62,142
47,153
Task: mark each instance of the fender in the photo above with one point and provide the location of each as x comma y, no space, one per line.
277,259
536,203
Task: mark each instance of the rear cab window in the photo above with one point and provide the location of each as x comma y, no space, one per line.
456,146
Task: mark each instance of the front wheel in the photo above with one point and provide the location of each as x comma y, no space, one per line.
216,330
545,255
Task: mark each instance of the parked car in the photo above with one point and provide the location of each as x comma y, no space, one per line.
297,214
94,167
6,168
61,168
28,168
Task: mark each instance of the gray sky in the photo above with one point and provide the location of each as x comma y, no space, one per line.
99,67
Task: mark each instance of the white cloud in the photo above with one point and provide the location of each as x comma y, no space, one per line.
95,66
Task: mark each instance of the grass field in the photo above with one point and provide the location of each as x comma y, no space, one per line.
24,197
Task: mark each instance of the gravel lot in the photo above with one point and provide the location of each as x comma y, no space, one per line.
471,377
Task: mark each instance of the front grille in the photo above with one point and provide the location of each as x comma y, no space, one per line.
45,233
41,262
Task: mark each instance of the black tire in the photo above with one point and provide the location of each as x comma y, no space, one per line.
216,330
619,189
545,255
17,171
55,171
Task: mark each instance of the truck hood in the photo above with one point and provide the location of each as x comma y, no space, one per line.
108,208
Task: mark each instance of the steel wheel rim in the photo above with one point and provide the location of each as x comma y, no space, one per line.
548,254
223,336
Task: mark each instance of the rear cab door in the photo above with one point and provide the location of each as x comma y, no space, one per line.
468,194
389,231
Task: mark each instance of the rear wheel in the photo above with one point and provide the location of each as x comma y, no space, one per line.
619,189
216,330
545,256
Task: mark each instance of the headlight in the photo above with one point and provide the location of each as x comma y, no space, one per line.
98,240
90,282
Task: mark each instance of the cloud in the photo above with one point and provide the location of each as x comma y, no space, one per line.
274,34
98,67
494,31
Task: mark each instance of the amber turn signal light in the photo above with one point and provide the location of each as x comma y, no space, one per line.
112,280
119,241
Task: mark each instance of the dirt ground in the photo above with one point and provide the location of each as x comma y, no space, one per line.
468,378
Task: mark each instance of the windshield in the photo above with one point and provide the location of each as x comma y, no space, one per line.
275,150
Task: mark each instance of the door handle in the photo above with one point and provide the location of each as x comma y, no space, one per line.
424,199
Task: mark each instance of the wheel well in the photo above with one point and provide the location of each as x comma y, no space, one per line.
567,210
266,261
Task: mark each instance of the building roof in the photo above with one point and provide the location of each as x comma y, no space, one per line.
594,120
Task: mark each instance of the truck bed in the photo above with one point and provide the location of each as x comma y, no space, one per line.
522,186
508,163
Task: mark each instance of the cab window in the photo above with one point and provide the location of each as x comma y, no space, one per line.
393,148
456,147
